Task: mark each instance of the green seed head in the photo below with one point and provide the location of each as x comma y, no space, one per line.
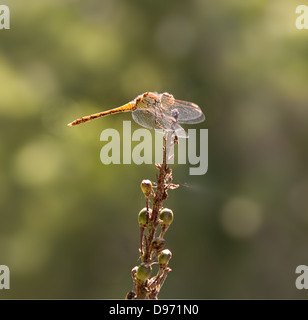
164,257
143,217
166,217
158,243
143,272
146,187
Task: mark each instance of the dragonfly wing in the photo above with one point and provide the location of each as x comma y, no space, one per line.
144,118
189,112
177,131
151,119
180,132
167,114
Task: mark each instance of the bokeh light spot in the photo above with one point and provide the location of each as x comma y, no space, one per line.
175,36
241,217
37,163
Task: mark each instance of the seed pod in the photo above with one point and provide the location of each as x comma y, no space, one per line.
166,217
143,272
143,217
146,187
164,257
158,243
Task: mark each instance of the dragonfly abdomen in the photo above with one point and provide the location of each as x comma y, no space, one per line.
127,107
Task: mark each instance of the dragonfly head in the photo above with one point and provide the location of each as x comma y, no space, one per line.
167,98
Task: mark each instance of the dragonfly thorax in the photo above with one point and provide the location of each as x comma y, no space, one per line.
147,100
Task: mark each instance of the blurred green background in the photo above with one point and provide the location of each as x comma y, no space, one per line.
68,223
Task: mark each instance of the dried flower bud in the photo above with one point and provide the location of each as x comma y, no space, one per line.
143,217
143,272
130,295
158,243
134,270
146,187
166,217
164,257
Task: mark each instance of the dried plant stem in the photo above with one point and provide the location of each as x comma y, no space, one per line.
150,245
159,197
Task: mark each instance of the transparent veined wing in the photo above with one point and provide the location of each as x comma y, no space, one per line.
189,112
155,119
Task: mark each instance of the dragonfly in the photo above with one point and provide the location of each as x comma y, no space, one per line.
154,110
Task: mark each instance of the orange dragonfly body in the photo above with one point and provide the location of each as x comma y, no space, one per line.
155,111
